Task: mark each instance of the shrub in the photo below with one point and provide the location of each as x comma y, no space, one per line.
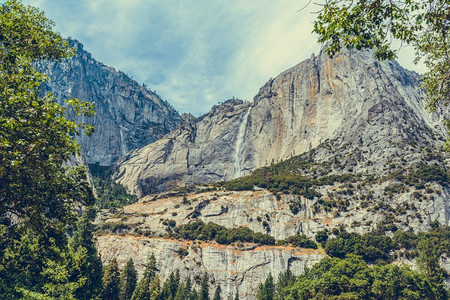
212,232
301,241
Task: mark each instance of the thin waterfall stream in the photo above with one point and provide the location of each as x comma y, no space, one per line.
239,147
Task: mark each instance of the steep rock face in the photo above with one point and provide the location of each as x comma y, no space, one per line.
235,269
128,115
200,150
262,211
351,99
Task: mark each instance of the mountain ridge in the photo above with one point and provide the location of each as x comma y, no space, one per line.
352,96
128,115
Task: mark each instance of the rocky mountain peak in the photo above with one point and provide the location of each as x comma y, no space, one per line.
128,115
353,99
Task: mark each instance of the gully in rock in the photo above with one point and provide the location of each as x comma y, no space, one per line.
239,147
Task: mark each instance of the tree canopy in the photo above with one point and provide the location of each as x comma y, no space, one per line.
374,24
37,193
352,278
35,136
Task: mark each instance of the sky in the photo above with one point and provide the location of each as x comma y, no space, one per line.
194,53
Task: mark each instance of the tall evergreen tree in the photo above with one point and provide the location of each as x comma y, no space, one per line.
171,286
284,279
236,297
88,263
267,289
184,290
155,289
111,281
429,264
193,295
165,291
181,292
142,291
176,282
128,280
204,288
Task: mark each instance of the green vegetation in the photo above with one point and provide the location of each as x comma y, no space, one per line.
128,281
298,241
37,194
88,262
420,175
149,282
198,230
109,193
346,274
111,281
352,278
266,290
373,247
370,246
149,286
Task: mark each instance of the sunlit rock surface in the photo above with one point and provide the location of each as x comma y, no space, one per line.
361,104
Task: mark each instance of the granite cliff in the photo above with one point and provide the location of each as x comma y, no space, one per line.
128,115
328,145
352,99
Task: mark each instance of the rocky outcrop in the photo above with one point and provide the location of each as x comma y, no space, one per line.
140,228
262,211
235,269
128,115
354,100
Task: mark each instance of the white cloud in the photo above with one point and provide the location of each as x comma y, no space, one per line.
194,53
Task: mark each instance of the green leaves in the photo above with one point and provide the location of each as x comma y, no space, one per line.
352,278
35,136
36,192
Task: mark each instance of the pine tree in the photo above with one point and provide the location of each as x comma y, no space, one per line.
128,280
266,289
172,284
165,291
142,291
87,262
236,297
155,289
204,289
111,281
181,292
429,264
284,279
193,295
184,290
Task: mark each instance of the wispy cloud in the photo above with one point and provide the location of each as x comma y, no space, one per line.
194,53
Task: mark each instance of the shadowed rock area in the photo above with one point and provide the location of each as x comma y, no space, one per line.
127,115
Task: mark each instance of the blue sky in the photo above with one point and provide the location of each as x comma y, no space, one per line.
194,53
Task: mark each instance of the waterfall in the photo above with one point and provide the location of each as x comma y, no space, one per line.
239,147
